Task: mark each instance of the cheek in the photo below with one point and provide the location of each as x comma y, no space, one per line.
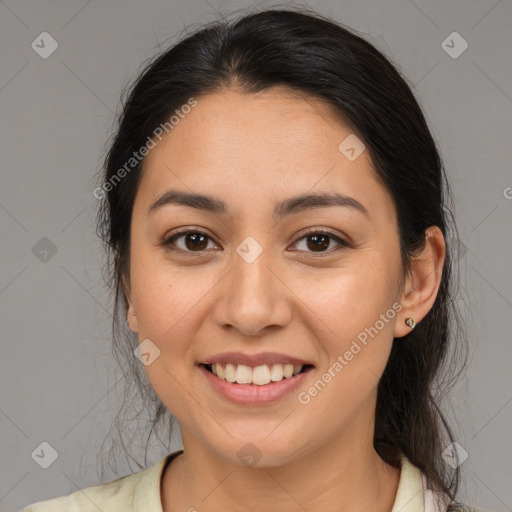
353,297
355,322
168,307
166,297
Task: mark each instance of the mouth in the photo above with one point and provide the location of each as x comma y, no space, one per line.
262,375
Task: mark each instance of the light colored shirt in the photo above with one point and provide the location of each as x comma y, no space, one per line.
140,492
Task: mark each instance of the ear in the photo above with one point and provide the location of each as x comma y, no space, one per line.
131,315
422,283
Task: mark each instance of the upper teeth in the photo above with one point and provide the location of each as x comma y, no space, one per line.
260,375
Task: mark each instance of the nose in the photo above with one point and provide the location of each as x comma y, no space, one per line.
254,298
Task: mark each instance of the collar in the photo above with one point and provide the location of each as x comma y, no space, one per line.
147,497
409,495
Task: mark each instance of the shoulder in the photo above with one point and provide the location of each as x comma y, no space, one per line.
433,501
137,491
106,497
91,498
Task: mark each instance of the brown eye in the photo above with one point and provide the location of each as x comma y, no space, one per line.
319,241
192,241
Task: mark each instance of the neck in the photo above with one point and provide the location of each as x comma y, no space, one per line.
347,477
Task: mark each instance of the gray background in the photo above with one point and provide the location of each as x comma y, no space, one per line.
57,376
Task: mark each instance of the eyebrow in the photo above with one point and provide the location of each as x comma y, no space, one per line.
291,206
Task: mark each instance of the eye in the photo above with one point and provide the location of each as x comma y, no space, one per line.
318,240
193,241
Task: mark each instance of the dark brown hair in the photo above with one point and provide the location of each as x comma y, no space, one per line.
317,56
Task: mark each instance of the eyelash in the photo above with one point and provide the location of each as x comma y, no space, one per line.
168,241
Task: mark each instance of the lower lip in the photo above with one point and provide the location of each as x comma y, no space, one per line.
252,394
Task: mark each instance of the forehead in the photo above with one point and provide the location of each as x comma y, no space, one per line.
277,143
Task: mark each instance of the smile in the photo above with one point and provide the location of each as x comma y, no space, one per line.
256,386
259,375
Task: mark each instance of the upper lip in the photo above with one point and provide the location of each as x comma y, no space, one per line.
267,358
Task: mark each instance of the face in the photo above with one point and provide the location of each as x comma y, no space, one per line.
310,281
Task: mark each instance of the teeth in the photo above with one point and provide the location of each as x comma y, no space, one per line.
288,370
243,374
230,372
260,375
277,372
220,372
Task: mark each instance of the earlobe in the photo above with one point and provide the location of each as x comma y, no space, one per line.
422,283
131,317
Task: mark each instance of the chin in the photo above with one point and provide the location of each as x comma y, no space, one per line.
263,452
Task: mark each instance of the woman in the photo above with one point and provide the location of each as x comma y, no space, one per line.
276,212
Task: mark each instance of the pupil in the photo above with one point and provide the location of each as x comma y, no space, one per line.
195,237
323,244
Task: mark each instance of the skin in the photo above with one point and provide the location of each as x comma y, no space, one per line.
252,151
